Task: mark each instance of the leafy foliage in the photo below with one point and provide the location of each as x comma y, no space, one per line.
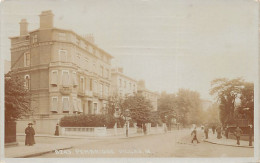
139,109
88,121
185,107
17,98
229,93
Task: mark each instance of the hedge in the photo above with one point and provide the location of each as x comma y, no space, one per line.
88,121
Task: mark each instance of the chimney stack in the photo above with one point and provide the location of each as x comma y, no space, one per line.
23,27
46,19
141,84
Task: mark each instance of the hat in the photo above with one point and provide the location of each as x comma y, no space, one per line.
30,124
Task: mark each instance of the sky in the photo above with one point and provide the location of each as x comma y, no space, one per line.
171,44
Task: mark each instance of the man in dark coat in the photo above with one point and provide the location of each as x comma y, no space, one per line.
226,131
238,133
29,131
219,132
206,131
194,134
57,130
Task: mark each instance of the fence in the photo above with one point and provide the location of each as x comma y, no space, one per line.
103,131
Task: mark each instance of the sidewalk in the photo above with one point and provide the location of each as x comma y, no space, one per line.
22,151
93,137
87,137
228,142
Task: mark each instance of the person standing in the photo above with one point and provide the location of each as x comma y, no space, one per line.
194,135
219,132
250,134
226,132
206,131
29,138
57,130
238,133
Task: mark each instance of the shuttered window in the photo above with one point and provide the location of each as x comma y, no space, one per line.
54,106
63,55
65,104
54,77
65,78
75,80
75,106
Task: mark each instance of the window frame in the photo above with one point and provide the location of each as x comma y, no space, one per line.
68,76
52,77
26,58
52,110
66,54
65,97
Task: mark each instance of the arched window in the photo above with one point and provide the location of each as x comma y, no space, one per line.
27,82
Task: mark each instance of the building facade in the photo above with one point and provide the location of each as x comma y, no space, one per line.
149,95
65,72
122,85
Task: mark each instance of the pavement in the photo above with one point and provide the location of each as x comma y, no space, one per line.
227,142
22,151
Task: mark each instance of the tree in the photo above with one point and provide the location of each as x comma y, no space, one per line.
189,107
17,98
247,101
114,104
234,96
139,108
167,106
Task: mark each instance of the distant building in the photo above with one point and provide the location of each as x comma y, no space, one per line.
121,84
152,96
7,66
66,73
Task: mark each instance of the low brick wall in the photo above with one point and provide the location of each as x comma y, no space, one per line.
83,131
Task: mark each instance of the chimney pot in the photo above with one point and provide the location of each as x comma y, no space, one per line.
46,19
23,27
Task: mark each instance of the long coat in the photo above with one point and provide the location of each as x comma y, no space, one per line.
29,139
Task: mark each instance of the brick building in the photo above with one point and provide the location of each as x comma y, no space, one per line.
65,72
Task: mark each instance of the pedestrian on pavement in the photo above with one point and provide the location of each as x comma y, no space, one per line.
226,132
250,134
206,131
238,133
57,130
219,132
194,135
29,138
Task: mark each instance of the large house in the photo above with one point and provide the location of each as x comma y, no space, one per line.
66,73
121,84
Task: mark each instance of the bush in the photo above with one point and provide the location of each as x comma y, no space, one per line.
88,121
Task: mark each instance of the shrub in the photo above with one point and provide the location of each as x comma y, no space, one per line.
88,121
